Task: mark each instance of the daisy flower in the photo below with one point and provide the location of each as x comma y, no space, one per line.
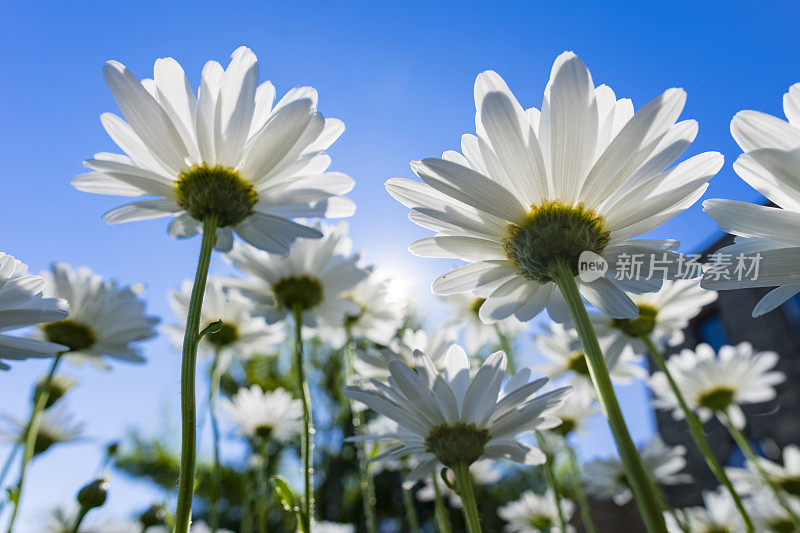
564,355
768,515
785,476
605,478
717,515
312,278
263,416
446,417
535,513
482,472
663,316
228,155
22,304
56,426
373,362
104,318
241,333
332,527
477,334
381,311
713,383
768,235
534,189
575,410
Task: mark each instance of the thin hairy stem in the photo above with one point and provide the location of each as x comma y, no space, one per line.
643,488
464,483
213,394
306,447
191,337
697,433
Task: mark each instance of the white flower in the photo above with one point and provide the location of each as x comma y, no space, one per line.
273,415
786,476
477,334
61,519
711,383
22,304
534,189
449,418
564,355
228,154
381,311
534,513
312,277
575,410
241,334
373,362
663,315
718,515
56,426
605,478
332,527
768,514
768,235
481,472
104,319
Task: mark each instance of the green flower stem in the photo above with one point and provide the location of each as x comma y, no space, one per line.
753,459
697,433
464,483
213,393
31,432
82,512
552,482
367,481
7,468
262,489
642,486
580,495
306,445
411,511
442,518
183,510
507,347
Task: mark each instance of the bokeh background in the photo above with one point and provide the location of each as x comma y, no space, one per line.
399,74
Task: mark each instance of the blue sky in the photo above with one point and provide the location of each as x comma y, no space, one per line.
399,75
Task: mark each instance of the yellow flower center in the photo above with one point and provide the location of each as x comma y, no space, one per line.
71,333
459,443
298,292
553,236
216,191
639,326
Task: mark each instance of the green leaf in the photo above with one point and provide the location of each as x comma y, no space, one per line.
285,493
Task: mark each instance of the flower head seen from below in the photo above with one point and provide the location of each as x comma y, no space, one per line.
768,235
264,416
57,426
786,476
449,418
564,355
477,334
104,318
534,189
373,362
606,479
311,278
22,304
769,515
535,513
241,333
663,316
718,383
381,310
575,410
717,515
482,472
227,154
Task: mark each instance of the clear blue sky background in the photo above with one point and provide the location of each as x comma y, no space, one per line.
399,75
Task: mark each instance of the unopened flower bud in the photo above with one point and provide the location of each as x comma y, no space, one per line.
94,494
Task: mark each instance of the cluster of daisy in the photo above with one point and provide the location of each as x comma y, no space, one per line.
305,321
